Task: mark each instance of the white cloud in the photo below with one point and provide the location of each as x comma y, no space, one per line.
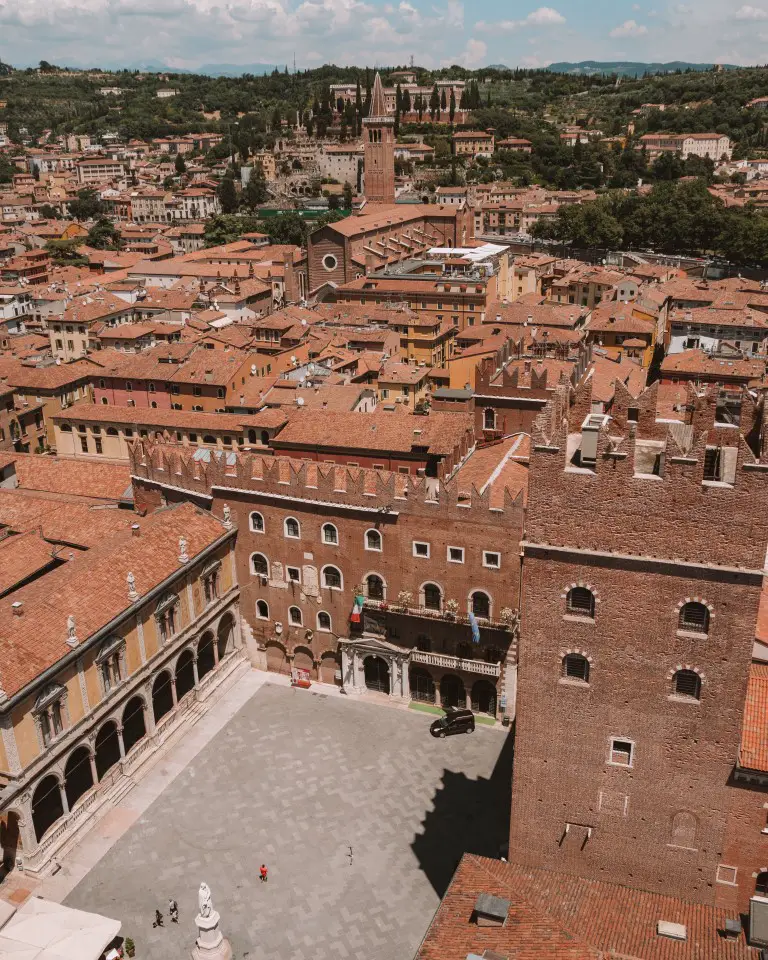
474,55
630,28
751,13
542,17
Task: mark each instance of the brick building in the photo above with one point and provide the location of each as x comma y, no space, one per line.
314,537
379,149
644,559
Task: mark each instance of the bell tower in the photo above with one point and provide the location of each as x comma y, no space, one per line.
379,147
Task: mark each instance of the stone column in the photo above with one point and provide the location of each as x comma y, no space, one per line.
121,742
216,651
194,671
404,666
174,695
393,677
26,825
63,794
94,771
149,713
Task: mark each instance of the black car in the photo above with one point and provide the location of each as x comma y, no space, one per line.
454,721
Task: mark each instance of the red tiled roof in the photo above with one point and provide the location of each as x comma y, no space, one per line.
754,733
105,481
35,641
556,916
22,557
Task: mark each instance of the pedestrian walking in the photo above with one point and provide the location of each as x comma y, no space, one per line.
263,873
173,910
158,919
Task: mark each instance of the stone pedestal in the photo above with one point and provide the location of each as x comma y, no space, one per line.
210,944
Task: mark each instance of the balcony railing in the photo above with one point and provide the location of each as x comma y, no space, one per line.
442,615
456,663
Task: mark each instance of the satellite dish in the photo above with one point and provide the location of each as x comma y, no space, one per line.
299,401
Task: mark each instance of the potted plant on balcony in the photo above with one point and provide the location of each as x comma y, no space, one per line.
130,947
508,616
404,599
451,609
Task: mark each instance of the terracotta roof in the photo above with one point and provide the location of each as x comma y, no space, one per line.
604,372
78,523
754,734
35,641
557,916
498,467
697,362
22,557
719,317
54,377
379,431
94,305
105,481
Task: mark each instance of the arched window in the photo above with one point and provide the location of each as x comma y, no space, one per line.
262,610
167,616
209,439
292,528
260,565
684,830
373,540
576,667
324,621
581,602
257,522
480,604
687,683
112,431
330,534
694,616
433,596
374,587
294,616
332,578
489,419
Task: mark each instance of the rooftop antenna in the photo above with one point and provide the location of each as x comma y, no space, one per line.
294,61
412,62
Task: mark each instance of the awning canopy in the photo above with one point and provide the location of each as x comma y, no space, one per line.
43,930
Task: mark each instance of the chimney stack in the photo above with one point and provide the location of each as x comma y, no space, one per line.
135,530
18,608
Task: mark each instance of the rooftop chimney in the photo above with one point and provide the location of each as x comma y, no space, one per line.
135,529
18,608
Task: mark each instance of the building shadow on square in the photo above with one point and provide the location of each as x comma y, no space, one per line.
468,816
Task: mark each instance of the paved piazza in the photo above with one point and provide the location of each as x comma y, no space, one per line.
294,780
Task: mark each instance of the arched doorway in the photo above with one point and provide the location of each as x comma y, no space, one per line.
376,674
162,695
47,807
329,666
78,778
452,691
10,841
276,661
484,698
225,637
422,685
303,660
107,748
205,658
134,727
185,674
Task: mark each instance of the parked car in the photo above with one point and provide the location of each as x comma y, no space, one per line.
454,721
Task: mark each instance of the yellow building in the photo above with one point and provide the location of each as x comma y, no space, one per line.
144,625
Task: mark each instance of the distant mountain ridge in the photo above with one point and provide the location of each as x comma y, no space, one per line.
629,68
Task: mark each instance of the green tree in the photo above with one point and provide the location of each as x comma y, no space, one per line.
434,103
87,206
226,228
228,194
347,196
406,101
49,212
104,236
180,165
255,192
65,253
452,106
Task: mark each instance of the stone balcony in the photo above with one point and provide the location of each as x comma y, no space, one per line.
456,663
444,616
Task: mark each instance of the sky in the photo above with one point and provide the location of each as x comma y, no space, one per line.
474,33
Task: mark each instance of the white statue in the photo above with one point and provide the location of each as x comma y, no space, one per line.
205,906
131,586
71,632
183,556
227,515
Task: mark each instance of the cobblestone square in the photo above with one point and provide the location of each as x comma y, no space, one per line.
295,780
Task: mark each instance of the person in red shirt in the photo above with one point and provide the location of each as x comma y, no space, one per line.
263,873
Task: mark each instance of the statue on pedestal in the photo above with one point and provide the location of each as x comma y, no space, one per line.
210,943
